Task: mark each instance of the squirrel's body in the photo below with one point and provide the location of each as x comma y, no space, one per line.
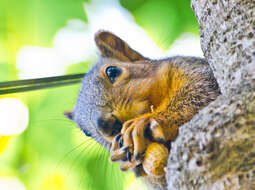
127,102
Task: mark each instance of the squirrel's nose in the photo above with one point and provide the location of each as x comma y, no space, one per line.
109,126
116,127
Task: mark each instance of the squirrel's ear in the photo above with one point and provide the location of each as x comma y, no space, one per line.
112,46
69,115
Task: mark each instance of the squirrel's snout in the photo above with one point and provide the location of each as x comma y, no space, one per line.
109,126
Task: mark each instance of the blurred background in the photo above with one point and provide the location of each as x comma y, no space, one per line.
39,148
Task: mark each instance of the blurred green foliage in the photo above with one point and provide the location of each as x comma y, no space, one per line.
53,153
164,20
35,22
32,22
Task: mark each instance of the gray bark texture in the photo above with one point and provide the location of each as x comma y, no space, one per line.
216,149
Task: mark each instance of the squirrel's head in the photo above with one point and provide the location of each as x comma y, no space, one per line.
114,90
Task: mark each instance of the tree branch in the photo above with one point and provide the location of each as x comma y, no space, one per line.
216,149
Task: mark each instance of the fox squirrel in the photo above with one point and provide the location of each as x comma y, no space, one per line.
133,105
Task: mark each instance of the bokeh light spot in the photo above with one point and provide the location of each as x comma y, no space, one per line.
11,183
14,116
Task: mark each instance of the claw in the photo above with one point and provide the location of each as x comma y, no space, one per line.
127,139
119,154
120,142
127,165
139,156
129,156
114,145
139,171
124,159
117,137
130,147
140,143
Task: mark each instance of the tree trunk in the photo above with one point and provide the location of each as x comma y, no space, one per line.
216,149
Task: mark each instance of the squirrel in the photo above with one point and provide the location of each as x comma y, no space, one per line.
134,106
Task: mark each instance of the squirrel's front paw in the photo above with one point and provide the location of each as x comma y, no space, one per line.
135,136
130,147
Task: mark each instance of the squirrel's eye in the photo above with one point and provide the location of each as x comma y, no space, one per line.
112,73
86,133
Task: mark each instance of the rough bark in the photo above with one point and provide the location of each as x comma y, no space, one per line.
216,149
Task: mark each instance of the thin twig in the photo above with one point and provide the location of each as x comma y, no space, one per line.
39,83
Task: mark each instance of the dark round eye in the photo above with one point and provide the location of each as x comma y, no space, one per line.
86,133
113,73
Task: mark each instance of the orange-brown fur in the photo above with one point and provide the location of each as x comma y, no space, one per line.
146,103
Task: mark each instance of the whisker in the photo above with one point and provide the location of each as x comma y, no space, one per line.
105,165
88,150
91,184
100,156
72,150
88,140
51,120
